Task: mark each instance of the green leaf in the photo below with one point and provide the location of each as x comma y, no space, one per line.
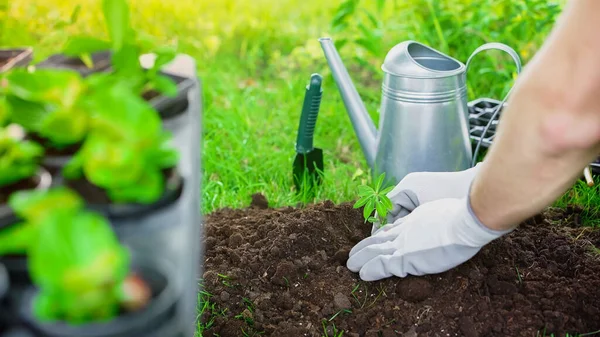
165,85
379,182
361,202
387,190
80,45
146,190
49,86
381,210
126,61
5,111
369,207
110,164
116,17
78,264
372,219
365,190
65,127
75,14
35,205
387,203
380,5
15,239
164,56
19,159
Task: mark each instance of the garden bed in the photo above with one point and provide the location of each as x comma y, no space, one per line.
282,272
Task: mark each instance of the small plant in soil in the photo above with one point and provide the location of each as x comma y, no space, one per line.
80,269
374,198
126,46
19,160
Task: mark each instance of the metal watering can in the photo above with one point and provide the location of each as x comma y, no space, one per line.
424,118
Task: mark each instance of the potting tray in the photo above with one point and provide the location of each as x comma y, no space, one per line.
481,111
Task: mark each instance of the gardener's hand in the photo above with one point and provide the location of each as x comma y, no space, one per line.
434,238
422,187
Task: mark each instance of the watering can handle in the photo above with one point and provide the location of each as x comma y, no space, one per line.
515,57
497,46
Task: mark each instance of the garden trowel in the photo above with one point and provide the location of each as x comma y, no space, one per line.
308,164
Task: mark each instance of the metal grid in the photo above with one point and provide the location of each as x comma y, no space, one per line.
480,112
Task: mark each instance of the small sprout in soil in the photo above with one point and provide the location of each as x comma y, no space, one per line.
330,331
346,311
95,282
287,283
19,159
374,198
519,275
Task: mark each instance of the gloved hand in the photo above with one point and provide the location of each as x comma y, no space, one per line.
435,237
418,188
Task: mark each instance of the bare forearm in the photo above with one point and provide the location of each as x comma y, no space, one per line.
551,128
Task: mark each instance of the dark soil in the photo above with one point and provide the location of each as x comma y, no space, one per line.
24,184
94,194
282,272
52,151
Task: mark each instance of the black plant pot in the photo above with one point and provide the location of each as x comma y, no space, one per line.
17,332
171,107
14,58
101,61
160,311
97,199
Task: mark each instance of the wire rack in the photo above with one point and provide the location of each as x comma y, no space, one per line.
480,112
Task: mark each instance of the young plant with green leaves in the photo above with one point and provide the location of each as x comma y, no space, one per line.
126,150
49,103
126,46
374,198
75,260
19,159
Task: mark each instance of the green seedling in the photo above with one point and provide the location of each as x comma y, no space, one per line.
374,198
126,46
123,147
48,103
75,260
126,150
19,159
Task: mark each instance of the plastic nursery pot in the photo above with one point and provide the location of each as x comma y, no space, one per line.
54,158
17,264
101,61
14,58
4,311
98,200
170,107
160,311
163,230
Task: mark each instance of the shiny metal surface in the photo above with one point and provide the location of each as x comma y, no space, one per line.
423,123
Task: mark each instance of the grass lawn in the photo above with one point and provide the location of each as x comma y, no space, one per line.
255,57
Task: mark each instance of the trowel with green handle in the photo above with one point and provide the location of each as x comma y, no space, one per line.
308,164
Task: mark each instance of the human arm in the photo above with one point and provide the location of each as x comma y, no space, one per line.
548,133
550,129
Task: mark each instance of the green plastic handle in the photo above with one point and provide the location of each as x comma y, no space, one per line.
310,110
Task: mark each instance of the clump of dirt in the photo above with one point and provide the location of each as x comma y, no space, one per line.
282,272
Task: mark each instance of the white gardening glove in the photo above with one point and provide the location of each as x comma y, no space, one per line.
418,188
435,237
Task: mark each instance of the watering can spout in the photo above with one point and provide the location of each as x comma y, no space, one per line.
361,121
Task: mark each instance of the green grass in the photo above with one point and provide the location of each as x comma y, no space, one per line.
256,57
586,198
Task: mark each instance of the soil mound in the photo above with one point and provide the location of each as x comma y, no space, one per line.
282,272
